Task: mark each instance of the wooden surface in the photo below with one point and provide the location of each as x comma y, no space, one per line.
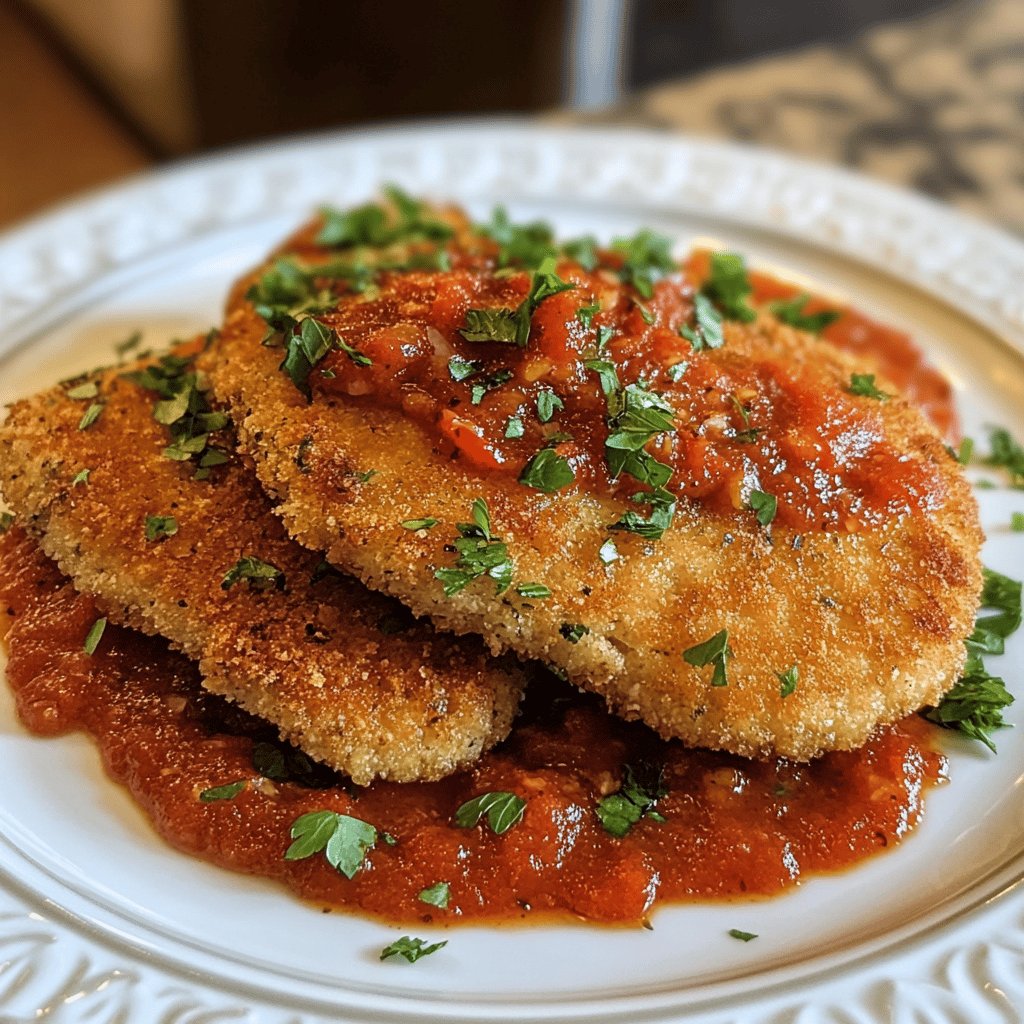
56,137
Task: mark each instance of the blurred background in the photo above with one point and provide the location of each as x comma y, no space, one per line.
926,93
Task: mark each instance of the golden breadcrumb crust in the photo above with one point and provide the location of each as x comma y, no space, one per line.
873,620
318,659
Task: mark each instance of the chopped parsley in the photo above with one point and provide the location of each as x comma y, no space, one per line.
640,791
1008,454
514,427
537,591
676,371
1017,522
513,326
183,408
735,933
411,949
547,471
306,345
728,286
480,554
653,526
436,895
342,839
586,314
93,637
521,245
91,415
81,477
863,384
460,368
606,374
716,652
583,251
372,224
226,792
608,552
707,332
489,383
788,681
764,505
574,632
258,574
791,311
503,810
974,705
426,523
159,527
90,389
636,416
646,258
547,403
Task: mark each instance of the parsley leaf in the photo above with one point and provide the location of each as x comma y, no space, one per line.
764,504
574,632
419,524
653,526
974,705
411,949
460,368
533,590
81,477
158,527
791,311
735,933
547,403
715,651
1007,453
728,286
93,637
513,326
503,810
547,471
586,314
226,792
1017,522
788,681
344,840
373,225
258,574
436,895
708,332
90,389
523,245
863,384
646,259
640,791
514,427
583,251
91,415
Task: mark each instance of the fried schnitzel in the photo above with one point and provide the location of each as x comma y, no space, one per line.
722,524
174,536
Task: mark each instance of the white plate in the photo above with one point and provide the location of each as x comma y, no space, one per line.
100,921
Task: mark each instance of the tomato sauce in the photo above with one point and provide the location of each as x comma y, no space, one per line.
744,420
729,827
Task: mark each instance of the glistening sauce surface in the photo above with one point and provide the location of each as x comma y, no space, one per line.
747,417
730,826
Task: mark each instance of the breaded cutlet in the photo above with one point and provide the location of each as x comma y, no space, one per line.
346,674
863,609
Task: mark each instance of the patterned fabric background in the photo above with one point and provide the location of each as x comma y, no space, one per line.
936,103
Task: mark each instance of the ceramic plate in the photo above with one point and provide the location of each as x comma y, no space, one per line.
100,921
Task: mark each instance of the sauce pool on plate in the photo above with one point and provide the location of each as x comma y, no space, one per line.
720,826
